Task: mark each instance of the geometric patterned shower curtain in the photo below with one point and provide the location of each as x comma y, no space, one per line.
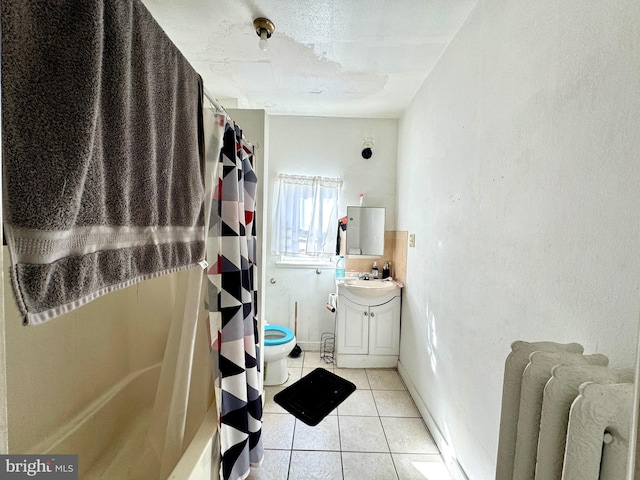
232,304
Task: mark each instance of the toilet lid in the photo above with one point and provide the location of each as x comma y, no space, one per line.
282,335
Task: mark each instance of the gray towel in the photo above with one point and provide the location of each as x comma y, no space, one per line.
103,151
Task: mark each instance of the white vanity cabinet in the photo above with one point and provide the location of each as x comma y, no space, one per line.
368,329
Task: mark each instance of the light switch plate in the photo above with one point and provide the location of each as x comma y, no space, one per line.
412,240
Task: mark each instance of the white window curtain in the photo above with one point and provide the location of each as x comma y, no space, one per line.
305,215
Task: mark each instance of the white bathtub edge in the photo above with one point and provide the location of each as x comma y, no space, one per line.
197,463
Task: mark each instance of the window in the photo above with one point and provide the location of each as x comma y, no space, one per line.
305,215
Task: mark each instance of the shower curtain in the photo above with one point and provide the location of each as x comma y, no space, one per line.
183,393
232,305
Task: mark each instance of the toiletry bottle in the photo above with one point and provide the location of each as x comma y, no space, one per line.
374,270
340,266
385,270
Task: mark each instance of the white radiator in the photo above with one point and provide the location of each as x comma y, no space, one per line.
543,383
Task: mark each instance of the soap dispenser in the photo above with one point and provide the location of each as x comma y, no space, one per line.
374,270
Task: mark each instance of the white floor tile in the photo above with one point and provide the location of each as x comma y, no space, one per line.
295,374
275,466
277,431
312,360
270,406
376,433
408,435
324,436
369,466
385,379
395,403
359,403
420,467
295,362
357,376
307,465
307,371
362,434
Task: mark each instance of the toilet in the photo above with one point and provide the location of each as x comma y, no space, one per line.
278,343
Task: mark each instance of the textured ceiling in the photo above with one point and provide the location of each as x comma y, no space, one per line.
356,58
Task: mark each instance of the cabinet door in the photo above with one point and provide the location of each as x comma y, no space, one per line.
353,328
384,324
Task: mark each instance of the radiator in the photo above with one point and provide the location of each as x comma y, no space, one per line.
565,415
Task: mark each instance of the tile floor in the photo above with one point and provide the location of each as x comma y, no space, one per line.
377,433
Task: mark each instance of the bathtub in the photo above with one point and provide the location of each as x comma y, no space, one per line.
197,462
108,435
86,383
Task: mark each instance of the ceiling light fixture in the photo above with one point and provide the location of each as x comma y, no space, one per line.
264,28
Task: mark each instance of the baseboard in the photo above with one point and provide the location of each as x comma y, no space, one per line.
455,470
366,361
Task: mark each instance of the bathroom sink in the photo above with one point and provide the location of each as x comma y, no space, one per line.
369,288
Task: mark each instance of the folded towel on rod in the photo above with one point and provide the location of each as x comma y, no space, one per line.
103,152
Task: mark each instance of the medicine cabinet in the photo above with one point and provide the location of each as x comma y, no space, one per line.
365,231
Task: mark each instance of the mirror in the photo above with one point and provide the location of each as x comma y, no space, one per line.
365,231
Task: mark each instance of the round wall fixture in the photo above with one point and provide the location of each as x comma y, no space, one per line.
367,148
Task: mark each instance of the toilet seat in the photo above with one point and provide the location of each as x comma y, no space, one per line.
285,335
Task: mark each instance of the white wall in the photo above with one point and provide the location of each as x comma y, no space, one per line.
518,172
326,147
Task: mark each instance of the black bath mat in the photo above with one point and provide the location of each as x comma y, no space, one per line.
314,396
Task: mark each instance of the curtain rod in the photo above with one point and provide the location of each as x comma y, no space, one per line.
217,105
215,102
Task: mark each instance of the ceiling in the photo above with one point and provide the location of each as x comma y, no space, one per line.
343,58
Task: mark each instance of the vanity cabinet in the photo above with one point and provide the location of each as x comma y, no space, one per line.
368,330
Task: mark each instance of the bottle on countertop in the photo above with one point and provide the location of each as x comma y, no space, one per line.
385,270
374,270
340,268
